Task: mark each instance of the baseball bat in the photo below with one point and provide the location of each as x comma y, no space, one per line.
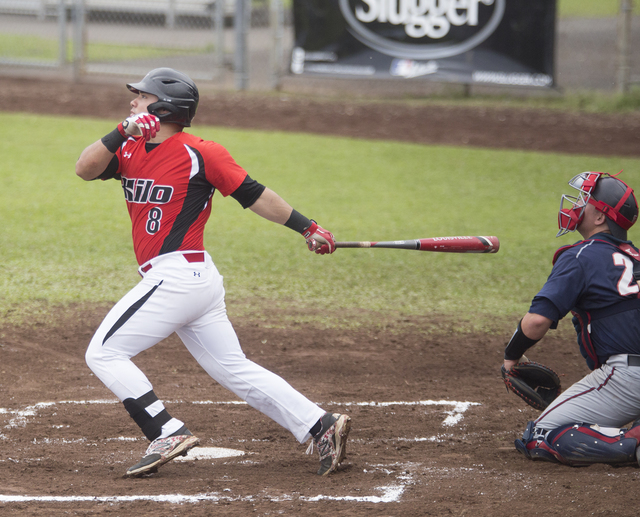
441,244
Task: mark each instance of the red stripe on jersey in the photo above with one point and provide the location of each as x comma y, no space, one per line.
168,191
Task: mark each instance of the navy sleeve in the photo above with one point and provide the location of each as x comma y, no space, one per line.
545,307
563,288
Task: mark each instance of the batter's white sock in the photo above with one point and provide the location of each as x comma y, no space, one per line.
171,427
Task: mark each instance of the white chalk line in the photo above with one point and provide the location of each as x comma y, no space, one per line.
455,415
391,493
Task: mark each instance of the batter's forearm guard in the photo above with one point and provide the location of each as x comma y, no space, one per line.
115,139
298,222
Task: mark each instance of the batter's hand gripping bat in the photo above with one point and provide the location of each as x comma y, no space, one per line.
442,244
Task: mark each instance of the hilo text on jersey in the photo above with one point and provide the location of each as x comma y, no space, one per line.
138,190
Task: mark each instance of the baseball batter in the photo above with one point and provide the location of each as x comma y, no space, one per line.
595,279
169,178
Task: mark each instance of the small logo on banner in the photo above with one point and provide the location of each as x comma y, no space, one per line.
409,68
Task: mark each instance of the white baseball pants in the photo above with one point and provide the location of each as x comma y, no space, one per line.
176,295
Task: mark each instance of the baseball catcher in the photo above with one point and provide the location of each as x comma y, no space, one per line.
596,420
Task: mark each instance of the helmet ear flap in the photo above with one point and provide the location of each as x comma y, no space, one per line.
162,110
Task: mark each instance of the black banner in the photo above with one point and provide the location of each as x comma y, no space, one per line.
507,42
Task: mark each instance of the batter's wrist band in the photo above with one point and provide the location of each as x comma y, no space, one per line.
114,140
298,222
518,344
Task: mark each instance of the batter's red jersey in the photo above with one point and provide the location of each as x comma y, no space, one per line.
168,191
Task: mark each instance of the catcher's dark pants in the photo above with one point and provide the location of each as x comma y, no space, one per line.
608,397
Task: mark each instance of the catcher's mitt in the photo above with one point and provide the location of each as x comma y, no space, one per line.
535,383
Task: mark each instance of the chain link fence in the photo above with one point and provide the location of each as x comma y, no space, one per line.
33,33
246,44
234,43
598,53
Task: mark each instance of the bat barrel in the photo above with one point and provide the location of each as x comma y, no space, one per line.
466,244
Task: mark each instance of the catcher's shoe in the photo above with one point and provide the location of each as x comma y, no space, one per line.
163,450
634,432
332,441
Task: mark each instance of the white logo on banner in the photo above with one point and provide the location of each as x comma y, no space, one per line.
422,18
409,68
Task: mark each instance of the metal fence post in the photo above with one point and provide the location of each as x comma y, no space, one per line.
277,27
62,33
170,19
242,16
79,39
624,33
42,11
218,27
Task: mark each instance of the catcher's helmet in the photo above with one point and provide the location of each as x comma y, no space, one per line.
176,93
610,195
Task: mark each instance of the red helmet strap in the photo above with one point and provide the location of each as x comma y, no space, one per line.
613,212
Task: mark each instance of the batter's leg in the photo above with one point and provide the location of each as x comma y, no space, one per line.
214,344
137,322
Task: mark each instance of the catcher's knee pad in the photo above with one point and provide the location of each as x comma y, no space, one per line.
579,445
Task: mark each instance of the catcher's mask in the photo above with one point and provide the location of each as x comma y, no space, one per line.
177,95
610,195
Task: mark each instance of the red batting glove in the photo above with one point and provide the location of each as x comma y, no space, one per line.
143,124
319,240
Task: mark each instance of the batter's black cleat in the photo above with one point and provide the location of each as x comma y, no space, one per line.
163,450
332,441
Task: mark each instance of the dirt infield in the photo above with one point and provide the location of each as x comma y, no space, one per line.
433,430
539,130
433,426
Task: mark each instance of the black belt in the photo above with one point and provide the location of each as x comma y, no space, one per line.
633,360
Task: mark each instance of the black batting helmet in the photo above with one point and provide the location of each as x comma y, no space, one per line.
176,93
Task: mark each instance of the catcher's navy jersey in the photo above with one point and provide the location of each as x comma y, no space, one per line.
589,279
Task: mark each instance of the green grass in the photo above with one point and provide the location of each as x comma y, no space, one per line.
591,8
35,48
68,241
585,101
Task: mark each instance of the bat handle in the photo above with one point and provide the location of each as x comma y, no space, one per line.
353,244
